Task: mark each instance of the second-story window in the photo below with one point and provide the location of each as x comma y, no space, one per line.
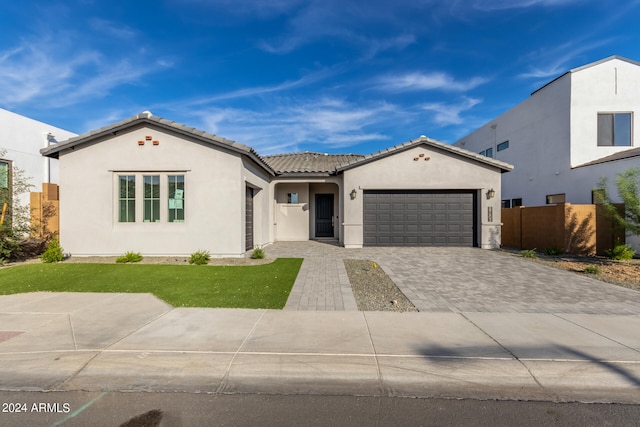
614,129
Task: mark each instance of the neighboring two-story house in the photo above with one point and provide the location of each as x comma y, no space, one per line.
568,134
21,139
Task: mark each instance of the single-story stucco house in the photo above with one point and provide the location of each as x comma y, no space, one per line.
157,187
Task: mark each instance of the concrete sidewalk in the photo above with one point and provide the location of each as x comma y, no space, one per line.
135,342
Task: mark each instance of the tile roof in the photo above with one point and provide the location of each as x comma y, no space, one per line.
309,162
280,164
423,140
147,117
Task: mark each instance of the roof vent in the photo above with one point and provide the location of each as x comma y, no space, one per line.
145,115
423,136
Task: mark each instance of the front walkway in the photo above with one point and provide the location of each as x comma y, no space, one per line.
322,283
452,280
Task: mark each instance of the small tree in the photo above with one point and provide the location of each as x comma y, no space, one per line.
16,225
628,183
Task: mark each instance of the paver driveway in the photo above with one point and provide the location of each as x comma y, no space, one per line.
452,279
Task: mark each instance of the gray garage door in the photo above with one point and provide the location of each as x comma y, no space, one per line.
419,218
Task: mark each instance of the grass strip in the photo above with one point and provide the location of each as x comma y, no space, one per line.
256,286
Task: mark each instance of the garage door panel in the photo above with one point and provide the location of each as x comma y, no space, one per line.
419,218
383,228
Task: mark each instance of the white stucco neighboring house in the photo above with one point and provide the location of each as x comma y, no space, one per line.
579,127
21,139
154,186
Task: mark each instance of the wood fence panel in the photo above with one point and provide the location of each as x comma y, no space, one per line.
578,229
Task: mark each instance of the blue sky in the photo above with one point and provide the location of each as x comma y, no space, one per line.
335,76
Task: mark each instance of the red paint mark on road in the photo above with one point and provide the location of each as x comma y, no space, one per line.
7,335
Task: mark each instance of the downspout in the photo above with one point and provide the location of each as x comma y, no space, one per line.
51,139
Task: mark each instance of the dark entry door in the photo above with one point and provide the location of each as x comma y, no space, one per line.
324,215
249,218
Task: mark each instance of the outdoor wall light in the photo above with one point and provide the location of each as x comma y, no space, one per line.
353,194
491,194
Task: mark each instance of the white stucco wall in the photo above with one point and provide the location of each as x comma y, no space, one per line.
610,87
538,133
256,178
214,196
556,129
296,222
22,138
292,219
443,170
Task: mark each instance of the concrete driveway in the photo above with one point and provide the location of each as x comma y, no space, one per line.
452,280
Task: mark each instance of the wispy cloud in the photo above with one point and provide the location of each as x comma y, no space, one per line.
329,123
105,118
306,80
494,5
417,81
373,26
558,59
450,113
112,29
247,9
55,72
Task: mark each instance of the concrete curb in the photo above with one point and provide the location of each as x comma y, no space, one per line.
93,342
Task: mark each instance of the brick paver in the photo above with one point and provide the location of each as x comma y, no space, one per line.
452,280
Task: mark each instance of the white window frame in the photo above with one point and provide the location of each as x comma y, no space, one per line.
140,200
177,202
126,199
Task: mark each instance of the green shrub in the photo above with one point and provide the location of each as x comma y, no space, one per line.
9,245
129,257
201,257
592,269
553,250
528,253
621,252
53,253
258,253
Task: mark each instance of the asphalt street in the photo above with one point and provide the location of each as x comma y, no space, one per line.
112,409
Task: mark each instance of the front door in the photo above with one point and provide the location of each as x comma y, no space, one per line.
324,215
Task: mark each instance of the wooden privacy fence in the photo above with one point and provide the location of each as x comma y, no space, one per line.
577,229
45,212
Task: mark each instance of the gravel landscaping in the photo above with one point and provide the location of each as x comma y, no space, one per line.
373,289
621,273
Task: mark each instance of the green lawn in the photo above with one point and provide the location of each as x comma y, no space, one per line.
257,286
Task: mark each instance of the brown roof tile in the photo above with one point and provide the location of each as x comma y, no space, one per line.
309,162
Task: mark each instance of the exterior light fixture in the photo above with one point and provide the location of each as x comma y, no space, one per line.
353,194
491,193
